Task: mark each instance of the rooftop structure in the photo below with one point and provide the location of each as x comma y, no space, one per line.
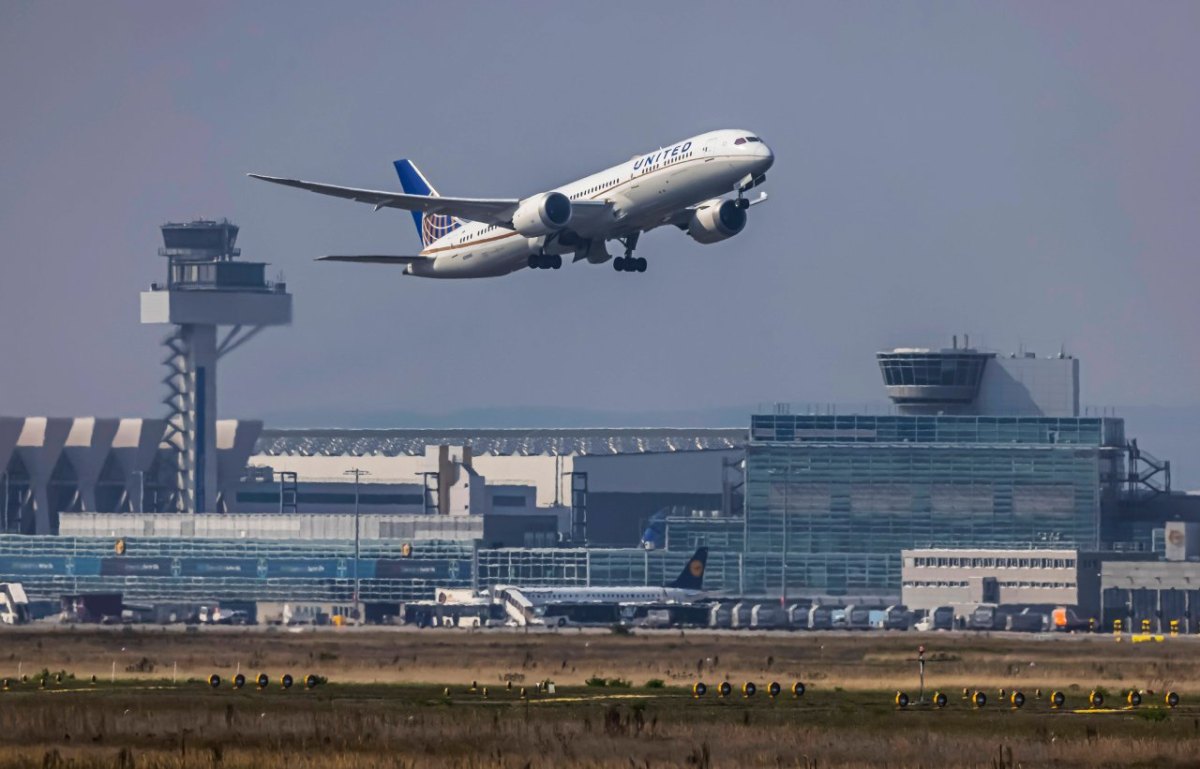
51,465
497,442
963,380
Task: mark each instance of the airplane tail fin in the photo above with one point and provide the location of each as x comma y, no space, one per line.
692,576
430,227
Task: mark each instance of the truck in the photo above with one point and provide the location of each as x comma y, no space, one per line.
897,617
1065,620
855,617
14,604
820,617
943,618
988,617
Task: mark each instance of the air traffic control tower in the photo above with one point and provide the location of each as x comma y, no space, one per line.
966,381
206,287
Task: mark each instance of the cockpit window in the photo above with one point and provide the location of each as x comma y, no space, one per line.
753,139
739,140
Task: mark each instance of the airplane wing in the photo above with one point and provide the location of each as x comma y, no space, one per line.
373,258
588,216
487,210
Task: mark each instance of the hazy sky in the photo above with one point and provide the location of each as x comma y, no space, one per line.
1025,173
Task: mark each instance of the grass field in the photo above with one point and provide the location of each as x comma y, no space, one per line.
385,703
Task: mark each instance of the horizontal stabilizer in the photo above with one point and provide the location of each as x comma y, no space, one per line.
373,258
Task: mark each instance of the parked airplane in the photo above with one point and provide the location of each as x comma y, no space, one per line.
683,589
684,184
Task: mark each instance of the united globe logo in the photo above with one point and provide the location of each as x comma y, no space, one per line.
435,226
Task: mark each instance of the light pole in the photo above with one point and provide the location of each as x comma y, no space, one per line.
141,491
356,472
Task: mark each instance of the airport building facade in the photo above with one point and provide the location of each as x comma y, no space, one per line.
831,501
1163,592
182,558
965,578
981,451
985,451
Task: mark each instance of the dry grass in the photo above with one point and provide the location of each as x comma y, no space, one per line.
846,719
860,662
406,726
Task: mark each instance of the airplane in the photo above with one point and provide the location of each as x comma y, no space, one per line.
683,589
685,184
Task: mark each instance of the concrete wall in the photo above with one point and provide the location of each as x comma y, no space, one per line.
1028,386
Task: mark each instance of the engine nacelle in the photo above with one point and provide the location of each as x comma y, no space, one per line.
715,220
542,214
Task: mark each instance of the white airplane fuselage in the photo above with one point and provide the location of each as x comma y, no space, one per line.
644,193
540,596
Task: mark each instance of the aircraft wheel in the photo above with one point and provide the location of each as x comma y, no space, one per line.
534,262
557,262
619,264
641,263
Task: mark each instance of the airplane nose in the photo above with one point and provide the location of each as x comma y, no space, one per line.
761,158
767,157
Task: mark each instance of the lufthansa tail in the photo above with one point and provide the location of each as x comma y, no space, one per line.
692,576
430,227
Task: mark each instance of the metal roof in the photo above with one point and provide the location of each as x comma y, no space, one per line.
497,442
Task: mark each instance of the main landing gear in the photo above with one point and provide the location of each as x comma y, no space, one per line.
545,261
629,262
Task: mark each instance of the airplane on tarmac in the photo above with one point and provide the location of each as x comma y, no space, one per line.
685,184
685,588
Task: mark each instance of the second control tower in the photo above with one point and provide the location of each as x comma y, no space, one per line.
966,381
206,287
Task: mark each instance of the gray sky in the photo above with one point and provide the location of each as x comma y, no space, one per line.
1026,173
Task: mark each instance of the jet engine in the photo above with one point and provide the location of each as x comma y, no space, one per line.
715,220
542,214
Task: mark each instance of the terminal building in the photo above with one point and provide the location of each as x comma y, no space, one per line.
982,451
985,451
603,485
797,506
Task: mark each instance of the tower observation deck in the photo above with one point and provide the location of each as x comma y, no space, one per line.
206,287
922,381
